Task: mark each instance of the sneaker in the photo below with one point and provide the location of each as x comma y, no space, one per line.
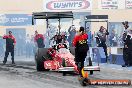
124,65
80,78
128,65
4,62
13,63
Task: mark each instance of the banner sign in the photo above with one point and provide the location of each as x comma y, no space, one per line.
128,4
67,5
109,4
15,19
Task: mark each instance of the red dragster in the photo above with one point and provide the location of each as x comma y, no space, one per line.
58,58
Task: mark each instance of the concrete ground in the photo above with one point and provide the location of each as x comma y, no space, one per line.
24,75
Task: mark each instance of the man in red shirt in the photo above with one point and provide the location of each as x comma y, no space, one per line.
39,39
10,44
81,48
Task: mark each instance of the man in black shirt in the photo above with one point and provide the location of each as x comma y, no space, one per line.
101,40
10,43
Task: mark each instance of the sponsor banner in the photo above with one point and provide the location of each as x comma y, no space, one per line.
15,19
67,5
108,4
128,4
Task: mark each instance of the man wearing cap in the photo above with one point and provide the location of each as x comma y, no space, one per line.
10,44
127,50
72,33
39,39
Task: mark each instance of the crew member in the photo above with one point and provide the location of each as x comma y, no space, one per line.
10,44
101,40
81,48
127,50
57,38
39,39
126,40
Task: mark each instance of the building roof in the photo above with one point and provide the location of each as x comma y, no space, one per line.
52,15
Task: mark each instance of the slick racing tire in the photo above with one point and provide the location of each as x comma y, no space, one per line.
39,59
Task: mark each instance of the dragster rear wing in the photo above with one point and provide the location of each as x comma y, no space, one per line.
87,68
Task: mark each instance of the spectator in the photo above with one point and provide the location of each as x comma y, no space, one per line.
101,39
127,50
39,40
72,33
112,38
1,46
20,45
28,46
89,36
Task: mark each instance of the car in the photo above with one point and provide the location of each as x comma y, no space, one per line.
59,58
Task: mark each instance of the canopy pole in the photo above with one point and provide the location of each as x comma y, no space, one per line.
59,26
32,20
72,20
47,22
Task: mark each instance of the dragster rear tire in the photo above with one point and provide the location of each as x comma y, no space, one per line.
39,59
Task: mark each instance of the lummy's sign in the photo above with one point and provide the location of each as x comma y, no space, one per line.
15,19
109,4
50,5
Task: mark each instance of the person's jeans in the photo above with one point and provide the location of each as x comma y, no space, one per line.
6,55
105,49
